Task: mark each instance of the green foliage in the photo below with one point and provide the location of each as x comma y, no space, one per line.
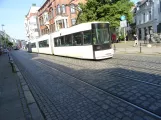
10,44
106,10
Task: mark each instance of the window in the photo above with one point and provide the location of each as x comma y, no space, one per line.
56,42
46,17
36,30
33,45
63,9
53,12
62,41
73,21
68,40
44,43
40,21
59,41
87,37
58,9
150,15
74,39
101,35
72,8
78,38
143,17
49,15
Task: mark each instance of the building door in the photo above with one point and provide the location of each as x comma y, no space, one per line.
139,34
145,33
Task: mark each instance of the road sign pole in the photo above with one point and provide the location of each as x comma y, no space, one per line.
124,34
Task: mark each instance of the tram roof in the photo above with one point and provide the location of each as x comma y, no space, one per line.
75,29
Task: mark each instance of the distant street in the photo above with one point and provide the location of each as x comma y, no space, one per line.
127,87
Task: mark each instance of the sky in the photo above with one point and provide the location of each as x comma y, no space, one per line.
12,15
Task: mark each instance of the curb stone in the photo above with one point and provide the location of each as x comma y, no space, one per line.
31,103
138,53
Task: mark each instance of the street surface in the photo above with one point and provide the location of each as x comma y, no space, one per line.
127,87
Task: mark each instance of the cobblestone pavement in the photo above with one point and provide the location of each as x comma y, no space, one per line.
126,87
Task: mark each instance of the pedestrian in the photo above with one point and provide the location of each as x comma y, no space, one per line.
147,38
127,38
113,38
135,40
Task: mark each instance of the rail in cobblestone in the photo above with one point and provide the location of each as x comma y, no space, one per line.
88,92
134,78
100,89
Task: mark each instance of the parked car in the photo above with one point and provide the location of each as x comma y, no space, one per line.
1,51
5,50
15,47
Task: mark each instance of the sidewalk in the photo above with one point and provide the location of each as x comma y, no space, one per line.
16,99
127,47
10,103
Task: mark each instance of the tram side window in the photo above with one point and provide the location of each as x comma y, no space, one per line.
62,42
59,41
87,37
68,40
77,39
55,42
43,43
33,45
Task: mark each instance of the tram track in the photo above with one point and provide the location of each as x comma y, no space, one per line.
102,90
132,66
111,73
137,59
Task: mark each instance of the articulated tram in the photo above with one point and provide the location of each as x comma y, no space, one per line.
87,41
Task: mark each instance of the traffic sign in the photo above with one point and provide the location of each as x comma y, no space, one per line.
123,23
123,17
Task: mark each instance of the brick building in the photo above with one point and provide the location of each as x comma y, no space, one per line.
57,14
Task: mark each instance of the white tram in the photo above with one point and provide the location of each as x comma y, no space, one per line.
87,41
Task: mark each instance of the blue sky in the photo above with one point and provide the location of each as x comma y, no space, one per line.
12,14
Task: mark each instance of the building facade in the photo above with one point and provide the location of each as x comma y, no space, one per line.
147,17
31,25
57,14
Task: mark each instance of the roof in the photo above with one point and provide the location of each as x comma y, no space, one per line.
33,9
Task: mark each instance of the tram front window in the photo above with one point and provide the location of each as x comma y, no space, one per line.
100,34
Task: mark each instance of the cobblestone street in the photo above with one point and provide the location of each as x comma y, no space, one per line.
126,87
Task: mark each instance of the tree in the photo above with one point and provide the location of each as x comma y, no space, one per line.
106,10
10,44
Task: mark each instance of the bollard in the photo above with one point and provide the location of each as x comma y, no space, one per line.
140,48
11,62
114,47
